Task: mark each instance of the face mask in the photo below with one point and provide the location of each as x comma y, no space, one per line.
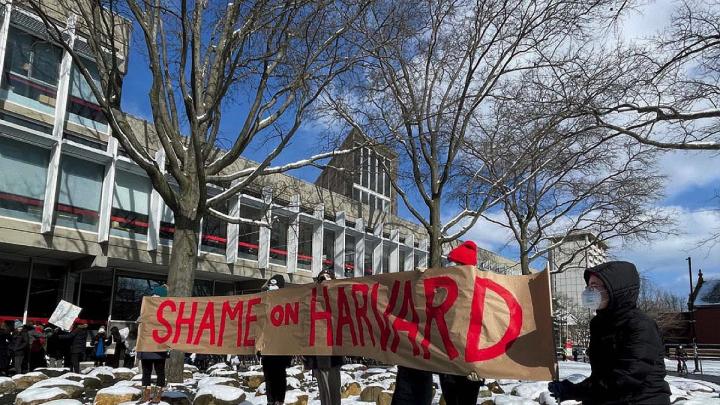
273,288
591,298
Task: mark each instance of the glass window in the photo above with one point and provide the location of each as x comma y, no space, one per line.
14,279
364,172
369,248
31,71
131,202
22,196
386,259
373,172
214,234
202,288
79,194
305,244
349,255
278,241
83,108
167,226
44,291
387,184
403,257
328,250
249,234
128,296
222,288
95,293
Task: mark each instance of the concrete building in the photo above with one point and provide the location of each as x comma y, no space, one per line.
574,254
80,221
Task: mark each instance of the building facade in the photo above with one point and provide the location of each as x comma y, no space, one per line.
574,254
80,221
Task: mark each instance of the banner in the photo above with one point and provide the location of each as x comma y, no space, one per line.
454,320
64,315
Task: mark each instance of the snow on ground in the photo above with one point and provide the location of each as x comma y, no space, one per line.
359,382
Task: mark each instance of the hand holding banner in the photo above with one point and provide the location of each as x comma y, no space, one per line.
455,320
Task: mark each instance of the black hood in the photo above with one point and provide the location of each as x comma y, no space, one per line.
622,282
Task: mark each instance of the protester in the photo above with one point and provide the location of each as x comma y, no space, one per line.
118,354
38,345
681,357
20,347
414,387
326,369
78,340
626,351
274,367
148,362
5,339
100,343
54,348
457,389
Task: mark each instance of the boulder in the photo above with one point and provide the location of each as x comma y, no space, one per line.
296,372
218,381
64,402
52,371
224,373
176,398
350,389
36,396
89,382
219,395
296,397
371,393
23,381
253,379
7,385
495,388
116,395
106,377
385,398
123,374
353,367
74,389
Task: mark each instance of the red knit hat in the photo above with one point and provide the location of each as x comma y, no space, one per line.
465,254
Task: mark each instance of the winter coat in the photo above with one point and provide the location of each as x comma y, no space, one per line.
322,362
275,362
78,340
152,355
626,351
20,342
5,339
106,340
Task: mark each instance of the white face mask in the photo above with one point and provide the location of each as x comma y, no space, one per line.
273,288
591,298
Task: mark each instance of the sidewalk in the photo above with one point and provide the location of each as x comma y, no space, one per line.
715,379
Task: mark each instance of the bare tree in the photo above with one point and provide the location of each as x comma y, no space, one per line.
427,74
250,70
575,177
666,93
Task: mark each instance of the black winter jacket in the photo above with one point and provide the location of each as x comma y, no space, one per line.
626,351
78,340
20,342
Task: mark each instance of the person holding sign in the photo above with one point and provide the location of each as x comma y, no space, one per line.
626,351
77,339
274,367
326,369
414,387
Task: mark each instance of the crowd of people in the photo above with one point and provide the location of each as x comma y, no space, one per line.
626,351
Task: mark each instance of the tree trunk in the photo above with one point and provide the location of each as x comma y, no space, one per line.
181,277
435,245
524,259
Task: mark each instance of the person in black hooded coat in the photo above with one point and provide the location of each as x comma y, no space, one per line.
626,351
274,367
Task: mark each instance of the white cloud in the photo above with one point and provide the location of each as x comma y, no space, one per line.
689,169
664,259
489,235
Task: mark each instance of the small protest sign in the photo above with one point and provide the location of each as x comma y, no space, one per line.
64,315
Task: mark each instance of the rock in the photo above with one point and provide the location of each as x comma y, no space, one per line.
219,395
74,389
187,374
495,388
7,385
385,398
296,397
23,381
64,402
371,393
123,374
484,393
218,366
353,367
40,395
106,377
176,398
253,379
487,402
190,368
89,382
116,395
296,372
350,389
392,386
218,381
52,371
224,373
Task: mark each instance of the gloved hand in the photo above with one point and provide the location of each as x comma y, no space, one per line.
560,389
474,377
420,269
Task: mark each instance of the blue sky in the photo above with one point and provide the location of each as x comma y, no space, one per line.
693,180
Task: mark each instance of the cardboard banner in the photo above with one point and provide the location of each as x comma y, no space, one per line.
454,320
64,315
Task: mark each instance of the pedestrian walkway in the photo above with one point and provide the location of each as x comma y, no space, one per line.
715,379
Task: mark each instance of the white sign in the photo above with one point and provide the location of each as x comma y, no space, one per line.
64,315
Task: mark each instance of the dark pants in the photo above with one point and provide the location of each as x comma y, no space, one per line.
20,364
275,381
413,387
458,390
4,362
147,369
75,359
37,359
